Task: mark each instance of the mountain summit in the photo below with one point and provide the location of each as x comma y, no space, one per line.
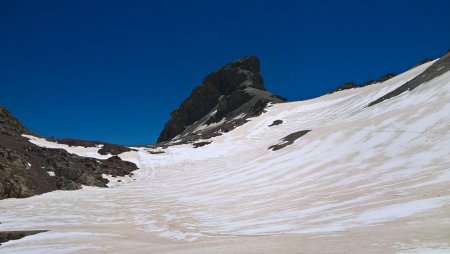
224,100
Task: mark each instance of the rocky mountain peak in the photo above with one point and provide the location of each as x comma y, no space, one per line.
237,75
234,89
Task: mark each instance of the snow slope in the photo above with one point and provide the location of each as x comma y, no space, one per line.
364,180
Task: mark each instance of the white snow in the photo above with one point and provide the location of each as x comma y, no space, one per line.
208,126
359,168
426,251
78,150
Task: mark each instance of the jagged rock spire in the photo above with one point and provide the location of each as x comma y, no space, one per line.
223,91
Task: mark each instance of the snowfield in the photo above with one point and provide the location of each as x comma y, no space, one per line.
363,180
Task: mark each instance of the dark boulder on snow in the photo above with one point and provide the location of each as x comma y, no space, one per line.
289,140
223,101
6,236
276,122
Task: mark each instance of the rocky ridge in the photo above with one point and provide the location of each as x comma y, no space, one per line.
441,66
27,169
225,99
351,84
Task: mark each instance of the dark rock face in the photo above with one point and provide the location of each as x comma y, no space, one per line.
115,166
289,140
236,88
438,68
276,122
9,124
14,235
27,169
200,144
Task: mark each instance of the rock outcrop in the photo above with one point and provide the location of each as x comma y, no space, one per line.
106,147
438,68
225,99
9,124
15,235
351,85
27,169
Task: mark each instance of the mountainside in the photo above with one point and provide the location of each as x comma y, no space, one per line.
27,169
10,125
356,171
225,99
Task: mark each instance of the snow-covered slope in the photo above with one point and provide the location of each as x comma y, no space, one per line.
363,180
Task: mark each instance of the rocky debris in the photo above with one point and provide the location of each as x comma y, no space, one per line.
345,86
106,147
200,144
207,133
438,68
276,122
27,169
351,85
381,79
289,140
113,149
15,235
115,166
225,99
13,179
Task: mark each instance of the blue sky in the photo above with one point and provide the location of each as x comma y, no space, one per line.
114,70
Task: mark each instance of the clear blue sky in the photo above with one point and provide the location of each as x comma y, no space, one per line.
114,70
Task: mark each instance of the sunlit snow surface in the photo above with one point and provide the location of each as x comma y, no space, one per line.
78,150
359,170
